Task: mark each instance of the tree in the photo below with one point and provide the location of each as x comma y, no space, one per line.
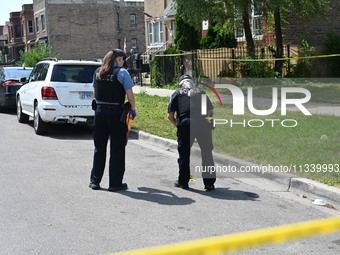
186,35
31,57
306,9
225,13
218,37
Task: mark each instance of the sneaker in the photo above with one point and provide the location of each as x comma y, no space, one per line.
121,187
183,186
209,187
94,185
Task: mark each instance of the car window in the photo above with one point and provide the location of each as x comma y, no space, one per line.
35,73
2,74
16,73
41,76
73,73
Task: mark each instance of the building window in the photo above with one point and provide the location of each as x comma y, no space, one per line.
155,32
257,19
37,24
134,43
17,31
43,22
132,19
30,26
255,22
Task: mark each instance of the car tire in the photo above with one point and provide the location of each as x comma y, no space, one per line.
40,127
22,117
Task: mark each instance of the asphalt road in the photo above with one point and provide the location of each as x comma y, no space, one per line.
46,206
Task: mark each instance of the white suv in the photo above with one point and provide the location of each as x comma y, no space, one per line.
57,91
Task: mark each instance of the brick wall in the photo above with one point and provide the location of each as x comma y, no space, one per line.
89,29
315,31
27,14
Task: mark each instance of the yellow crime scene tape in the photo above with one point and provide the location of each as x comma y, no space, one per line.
171,55
244,240
270,59
246,60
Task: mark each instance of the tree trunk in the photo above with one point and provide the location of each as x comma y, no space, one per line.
248,34
279,42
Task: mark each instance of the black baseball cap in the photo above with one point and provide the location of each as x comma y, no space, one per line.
120,53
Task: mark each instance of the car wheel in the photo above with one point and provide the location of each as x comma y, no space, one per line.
40,127
22,117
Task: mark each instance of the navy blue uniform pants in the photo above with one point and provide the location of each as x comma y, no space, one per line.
107,125
202,131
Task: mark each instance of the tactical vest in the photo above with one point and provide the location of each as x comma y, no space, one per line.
189,102
110,90
183,101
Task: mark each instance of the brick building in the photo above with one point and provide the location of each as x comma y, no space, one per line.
15,43
314,30
88,29
3,43
160,30
27,25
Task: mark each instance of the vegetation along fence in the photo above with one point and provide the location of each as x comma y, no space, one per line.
215,63
226,62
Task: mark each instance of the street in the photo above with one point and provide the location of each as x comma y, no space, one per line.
46,206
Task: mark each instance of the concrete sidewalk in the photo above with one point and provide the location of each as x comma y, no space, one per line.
288,182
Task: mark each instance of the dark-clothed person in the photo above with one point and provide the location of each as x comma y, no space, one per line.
112,84
184,112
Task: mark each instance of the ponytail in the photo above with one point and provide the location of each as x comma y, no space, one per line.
107,66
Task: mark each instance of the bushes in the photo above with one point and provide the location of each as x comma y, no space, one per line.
186,35
165,70
32,56
257,69
303,68
217,37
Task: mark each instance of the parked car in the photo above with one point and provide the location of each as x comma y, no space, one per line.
57,91
9,84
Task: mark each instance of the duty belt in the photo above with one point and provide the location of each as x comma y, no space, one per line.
109,106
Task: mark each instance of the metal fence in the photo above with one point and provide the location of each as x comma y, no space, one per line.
222,62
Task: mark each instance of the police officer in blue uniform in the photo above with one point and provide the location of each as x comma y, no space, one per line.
184,112
112,84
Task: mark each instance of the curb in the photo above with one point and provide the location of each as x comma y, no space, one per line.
288,181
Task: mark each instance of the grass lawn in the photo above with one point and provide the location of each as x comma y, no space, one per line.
315,140
326,91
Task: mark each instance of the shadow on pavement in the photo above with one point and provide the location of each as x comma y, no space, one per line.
157,196
227,194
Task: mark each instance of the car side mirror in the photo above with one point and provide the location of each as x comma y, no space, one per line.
23,80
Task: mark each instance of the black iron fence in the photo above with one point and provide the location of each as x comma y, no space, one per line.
227,62
221,62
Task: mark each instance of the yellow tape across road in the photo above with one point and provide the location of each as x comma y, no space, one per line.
244,240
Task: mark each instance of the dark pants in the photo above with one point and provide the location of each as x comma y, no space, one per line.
107,124
202,131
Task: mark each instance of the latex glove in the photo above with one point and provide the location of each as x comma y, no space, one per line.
132,114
